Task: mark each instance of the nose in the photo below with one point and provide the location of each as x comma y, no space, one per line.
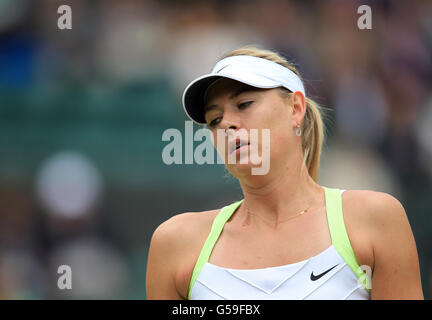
230,123
229,130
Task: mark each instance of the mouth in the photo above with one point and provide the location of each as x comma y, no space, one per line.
238,145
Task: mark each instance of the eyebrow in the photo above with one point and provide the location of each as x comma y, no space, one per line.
235,94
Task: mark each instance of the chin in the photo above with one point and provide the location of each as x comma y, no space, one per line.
239,170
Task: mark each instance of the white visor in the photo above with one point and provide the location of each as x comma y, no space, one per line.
253,71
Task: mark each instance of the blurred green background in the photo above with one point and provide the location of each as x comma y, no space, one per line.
82,112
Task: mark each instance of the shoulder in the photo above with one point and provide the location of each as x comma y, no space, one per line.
184,227
373,207
174,247
385,217
396,273
368,215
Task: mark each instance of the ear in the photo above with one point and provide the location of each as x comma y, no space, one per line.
298,109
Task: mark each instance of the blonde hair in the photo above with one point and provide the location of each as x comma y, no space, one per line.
313,129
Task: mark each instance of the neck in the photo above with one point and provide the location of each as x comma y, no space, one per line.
281,195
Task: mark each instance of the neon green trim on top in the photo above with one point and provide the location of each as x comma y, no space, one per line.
214,234
338,233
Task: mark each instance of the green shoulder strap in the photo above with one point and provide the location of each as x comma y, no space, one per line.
339,234
214,234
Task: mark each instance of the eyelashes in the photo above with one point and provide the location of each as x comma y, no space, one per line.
213,123
244,105
241,106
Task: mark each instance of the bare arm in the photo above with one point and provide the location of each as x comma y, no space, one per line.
396,273
161,263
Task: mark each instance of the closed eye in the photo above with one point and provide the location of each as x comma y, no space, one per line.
214,122
244,104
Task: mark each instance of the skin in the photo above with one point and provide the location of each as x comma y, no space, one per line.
376,222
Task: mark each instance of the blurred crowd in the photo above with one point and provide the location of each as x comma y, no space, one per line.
82,181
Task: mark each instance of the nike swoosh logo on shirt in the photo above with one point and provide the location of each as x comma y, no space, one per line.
316,277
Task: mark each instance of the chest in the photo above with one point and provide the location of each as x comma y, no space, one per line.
254,246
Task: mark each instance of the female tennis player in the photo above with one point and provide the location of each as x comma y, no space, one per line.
289,237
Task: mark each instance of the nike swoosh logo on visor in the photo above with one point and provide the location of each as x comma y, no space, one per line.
222,68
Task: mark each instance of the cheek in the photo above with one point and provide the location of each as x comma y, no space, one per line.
280,134
275,118
273,113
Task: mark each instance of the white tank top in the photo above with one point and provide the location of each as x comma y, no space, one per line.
332,274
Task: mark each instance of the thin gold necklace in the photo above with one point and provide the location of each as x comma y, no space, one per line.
298,214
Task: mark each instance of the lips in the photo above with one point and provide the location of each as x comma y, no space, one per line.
233,145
